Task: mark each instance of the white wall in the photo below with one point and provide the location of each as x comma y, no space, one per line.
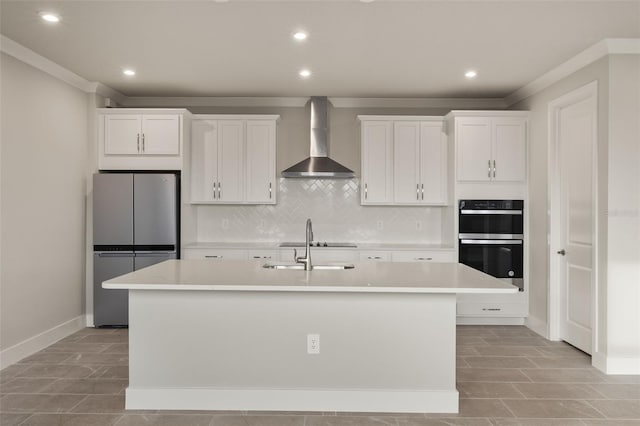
618,306
43,183
623,216
538,175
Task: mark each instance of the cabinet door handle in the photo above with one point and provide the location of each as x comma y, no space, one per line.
489,169
143,142
366,192
417,191
422,191
269,190
424,258
494,168
219,191
214,190
138,142
214,256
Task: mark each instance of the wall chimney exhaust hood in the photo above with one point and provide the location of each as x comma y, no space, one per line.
318,165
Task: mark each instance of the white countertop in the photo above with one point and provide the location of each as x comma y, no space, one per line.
376,277
276,246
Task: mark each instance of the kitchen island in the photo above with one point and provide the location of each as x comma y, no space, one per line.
232,335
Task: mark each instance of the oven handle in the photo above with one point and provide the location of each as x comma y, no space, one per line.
513,212
512,242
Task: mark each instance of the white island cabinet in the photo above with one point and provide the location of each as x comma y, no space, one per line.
232,335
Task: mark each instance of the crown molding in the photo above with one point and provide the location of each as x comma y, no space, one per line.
490,103
47,66
214,101
610,46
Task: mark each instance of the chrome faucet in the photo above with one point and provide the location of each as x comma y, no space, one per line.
306,260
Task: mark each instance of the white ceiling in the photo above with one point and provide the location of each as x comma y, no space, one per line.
380,49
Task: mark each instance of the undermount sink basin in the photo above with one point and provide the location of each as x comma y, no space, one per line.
300,267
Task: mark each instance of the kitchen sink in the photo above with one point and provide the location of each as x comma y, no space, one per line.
300,267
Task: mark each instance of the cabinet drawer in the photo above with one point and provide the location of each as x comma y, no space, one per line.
215,254
375,256
424,256
264,254
491,309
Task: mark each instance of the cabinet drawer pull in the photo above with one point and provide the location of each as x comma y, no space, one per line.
374,257
213,256
491,309
138,142
424,258
262,257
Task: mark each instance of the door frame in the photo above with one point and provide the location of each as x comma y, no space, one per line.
586,92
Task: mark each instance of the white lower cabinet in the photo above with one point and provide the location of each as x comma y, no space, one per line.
215,254
375,256
445,256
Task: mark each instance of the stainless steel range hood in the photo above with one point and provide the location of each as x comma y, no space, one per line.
318,165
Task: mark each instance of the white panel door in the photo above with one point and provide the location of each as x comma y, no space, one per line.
204,161
509,149
230,160
376,162
473,135
576,123
122,134
261,161
433,163
160,135
406,162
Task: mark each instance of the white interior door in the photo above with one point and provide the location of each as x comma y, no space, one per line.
575,140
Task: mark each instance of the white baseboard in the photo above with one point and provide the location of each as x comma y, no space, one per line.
389,401
489,321
40,341
537,325
618,365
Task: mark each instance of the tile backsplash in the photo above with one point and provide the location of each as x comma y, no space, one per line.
334,207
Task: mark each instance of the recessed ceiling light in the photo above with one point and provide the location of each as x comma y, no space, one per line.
471,74
300,35
305,73
128,72
49,17
367,1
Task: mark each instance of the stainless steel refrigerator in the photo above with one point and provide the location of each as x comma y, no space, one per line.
135,224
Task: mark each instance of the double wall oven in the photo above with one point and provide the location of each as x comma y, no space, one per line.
491,236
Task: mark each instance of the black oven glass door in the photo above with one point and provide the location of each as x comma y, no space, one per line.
488,223
498,258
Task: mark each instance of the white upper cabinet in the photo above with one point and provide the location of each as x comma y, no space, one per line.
376,162
135,139
490,147
404,160
261,162
233,160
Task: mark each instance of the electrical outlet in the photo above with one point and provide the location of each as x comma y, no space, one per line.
418,225
225,223
380,225
313,344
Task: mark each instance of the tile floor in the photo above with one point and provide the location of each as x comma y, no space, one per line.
507,376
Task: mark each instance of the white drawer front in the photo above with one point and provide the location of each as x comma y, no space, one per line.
491,309
375,256
424,256
215,254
